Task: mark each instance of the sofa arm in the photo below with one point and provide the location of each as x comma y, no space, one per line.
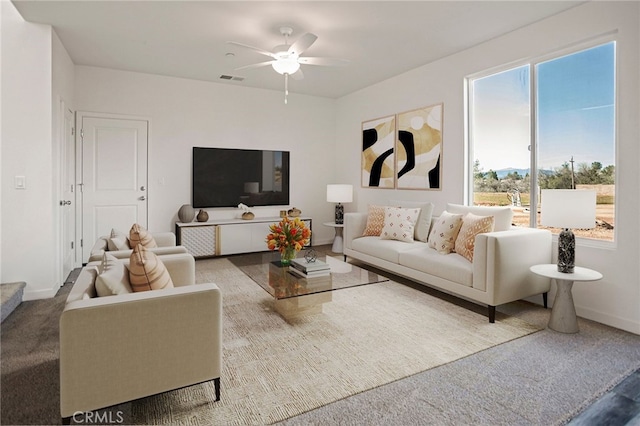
120,348
164,239
125,254
502,260
354,225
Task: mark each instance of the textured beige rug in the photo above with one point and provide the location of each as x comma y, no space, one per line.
366,337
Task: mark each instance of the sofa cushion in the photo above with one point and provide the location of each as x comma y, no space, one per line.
472,225
423,224
139,235
117,240
399,223
444,232
503,215
113,277
146,271
375,221
388,250
452,267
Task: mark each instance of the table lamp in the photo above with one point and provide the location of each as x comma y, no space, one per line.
568,208
339,193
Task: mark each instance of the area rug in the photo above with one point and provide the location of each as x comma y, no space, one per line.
365,337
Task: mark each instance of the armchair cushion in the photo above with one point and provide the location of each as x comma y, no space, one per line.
113,277
146,271
139,235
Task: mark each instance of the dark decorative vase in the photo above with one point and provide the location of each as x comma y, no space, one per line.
203,216
186,213
566,251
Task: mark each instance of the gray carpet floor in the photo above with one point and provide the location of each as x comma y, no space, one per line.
541,379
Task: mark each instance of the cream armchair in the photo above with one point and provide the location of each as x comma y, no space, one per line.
119,348
166,242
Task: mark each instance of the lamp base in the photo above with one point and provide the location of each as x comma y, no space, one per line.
339,216
566,251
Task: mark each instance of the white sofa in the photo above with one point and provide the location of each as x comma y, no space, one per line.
166,242
119,348
498,274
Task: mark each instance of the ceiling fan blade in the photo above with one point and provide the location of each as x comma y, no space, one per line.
258,65
298,75
331,62
302,44
257,49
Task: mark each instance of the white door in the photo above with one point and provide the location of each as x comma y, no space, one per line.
114,176
67,192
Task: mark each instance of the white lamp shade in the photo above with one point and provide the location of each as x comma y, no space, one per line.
339,193
568,208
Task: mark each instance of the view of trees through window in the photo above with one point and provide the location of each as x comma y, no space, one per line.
570,139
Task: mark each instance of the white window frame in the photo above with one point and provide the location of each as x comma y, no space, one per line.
533,148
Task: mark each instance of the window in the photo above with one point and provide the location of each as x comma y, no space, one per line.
556,117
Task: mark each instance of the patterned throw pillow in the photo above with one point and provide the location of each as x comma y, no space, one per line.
444,232
375,221
472,225
399,223
139,235
146,271
113,277
424,218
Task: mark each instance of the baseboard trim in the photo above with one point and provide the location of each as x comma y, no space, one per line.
40,293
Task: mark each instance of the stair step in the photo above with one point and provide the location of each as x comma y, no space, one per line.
10,297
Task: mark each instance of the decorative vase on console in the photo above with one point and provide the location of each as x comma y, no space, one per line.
248,214
186,213
203,216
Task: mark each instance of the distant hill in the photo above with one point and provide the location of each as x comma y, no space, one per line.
522,172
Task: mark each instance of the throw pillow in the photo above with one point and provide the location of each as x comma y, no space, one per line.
117,241
113,277
139,235
424,218
444,232
375,221
503,215
146,271
399,223
472,225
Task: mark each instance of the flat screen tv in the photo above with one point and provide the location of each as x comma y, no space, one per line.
224,177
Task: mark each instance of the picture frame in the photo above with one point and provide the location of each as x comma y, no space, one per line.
419,147
378,146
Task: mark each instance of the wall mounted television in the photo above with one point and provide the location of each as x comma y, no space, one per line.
225,177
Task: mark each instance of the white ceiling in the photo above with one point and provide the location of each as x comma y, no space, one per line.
188,38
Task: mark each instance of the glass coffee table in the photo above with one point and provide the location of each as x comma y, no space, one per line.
295,296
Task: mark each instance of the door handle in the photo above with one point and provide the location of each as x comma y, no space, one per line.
65,202
143,188
142,198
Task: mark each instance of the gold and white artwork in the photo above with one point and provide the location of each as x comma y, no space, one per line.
418,152
378,142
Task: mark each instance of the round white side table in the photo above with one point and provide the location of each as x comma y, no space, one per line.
337,240
563,313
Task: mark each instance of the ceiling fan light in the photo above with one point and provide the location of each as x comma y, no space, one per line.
286,66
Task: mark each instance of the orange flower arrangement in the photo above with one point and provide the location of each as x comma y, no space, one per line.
288,236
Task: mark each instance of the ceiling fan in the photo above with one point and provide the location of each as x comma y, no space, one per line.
286,59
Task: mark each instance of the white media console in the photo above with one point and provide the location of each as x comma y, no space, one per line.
227,236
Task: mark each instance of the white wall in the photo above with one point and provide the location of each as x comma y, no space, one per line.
616,299
27,214
186,113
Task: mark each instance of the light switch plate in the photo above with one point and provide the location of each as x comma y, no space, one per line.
21,182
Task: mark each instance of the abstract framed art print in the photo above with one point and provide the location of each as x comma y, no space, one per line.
418,153
378,142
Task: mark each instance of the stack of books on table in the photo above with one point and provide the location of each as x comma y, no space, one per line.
305,269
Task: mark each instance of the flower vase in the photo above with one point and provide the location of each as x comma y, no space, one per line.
286,255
